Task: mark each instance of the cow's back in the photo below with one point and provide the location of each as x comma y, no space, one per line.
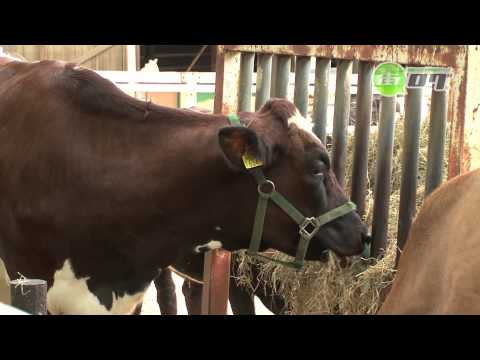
438,270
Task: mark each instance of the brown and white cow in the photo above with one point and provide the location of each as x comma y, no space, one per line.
438,272
100,190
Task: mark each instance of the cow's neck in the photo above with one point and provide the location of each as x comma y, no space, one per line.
188,185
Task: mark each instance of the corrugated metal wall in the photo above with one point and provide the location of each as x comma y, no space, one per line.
114,58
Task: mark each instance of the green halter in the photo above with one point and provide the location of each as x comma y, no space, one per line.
308,226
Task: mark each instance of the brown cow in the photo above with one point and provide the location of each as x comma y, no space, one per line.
438,270
100,190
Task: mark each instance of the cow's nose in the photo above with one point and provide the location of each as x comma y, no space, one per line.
366,237
366,242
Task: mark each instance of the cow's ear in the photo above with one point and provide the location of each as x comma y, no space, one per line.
241,147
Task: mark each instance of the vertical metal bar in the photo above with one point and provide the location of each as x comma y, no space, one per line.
340,119
245,91
274,75
436,140
300,95
320,98
362,132
355,66
216,284
282,76
264,76
383,176
411,145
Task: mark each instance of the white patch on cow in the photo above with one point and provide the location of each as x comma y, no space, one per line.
301,122
211,245
71,296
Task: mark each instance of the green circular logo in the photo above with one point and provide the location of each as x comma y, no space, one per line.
389,79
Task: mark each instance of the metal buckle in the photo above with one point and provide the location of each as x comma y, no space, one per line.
303,228
266,194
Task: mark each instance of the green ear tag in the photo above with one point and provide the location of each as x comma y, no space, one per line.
250,161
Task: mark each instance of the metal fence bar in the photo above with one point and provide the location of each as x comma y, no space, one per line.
320,98
274,76
300,95
264,76
362,132
436,140
411,145
340,119
383,176
245,91
282,76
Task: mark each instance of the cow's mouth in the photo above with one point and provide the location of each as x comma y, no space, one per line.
332,240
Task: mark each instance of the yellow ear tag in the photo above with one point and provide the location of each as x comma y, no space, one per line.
250,161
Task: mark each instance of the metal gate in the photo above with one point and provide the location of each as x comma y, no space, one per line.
455,108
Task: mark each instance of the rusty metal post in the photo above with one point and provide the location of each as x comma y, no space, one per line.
29,295
264,76
246,73
411,145
216,282
340,119
227,77
362,132
282,76
383,176
302,74
436,140
463,110
320,98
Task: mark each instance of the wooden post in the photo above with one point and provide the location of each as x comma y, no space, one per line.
29,295
216,272
216,282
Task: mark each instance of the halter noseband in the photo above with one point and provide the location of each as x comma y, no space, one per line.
308,226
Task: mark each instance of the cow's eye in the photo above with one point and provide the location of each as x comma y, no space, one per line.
319,176
318,169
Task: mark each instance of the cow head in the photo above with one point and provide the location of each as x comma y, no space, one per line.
296,161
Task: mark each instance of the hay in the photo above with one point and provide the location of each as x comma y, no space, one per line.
334,287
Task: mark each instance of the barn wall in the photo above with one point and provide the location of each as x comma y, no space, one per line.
112,59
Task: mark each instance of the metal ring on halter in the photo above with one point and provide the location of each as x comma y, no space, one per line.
264,194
